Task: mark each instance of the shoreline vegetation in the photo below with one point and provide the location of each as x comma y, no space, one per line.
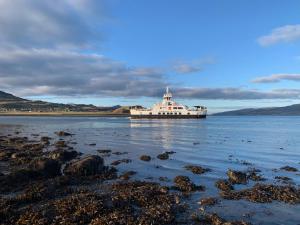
44,180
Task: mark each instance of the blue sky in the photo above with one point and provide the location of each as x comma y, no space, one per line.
222,54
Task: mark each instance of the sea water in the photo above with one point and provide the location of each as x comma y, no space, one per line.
218,143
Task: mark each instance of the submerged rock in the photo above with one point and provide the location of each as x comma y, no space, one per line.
127,175
163,156
86,166
117,162
63,133
289,169
145,158
104,151
237,177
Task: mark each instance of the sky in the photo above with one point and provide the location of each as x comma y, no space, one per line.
222,54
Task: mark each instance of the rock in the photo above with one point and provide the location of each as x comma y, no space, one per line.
208,201
17,155
63,155
127,175
61,144
17,178
289,169
117,162
104,151
5,155
224,185
89,165
47,167
63,133
46,140
163,156
252,175
183,183
237,177
196,169
266,193
119,153
215,219
145,158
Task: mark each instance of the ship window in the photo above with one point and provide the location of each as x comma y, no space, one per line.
163,113
180,113
171,113
167,113
159,113
180,108
150,113
188,113
175,113
169,103
174,107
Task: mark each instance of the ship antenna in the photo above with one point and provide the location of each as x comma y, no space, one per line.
167,90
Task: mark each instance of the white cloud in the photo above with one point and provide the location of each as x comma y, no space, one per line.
274,78
288,33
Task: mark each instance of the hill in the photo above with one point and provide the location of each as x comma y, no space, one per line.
292,110
10,103
6,97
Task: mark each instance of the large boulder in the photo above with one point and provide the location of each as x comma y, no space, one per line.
47,167
86,166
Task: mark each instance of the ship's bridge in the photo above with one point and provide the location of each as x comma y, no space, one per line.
168,95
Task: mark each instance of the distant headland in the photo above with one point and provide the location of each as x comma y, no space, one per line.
11,105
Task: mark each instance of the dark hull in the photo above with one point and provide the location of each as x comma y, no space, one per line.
168,116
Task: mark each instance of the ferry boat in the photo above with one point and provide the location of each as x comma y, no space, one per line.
168,109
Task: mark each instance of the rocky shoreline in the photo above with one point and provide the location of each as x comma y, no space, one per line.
46,181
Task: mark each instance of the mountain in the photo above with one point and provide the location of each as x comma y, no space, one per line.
11,103
5,97
292,110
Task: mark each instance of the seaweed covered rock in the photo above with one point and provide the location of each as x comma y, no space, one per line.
63,155
265,193
46,166
146,158
215,219
208,201
237,177
224,185
86,166
183,183
196,169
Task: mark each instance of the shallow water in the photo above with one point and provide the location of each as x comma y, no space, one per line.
218,143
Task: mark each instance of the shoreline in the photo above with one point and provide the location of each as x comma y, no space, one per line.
64,114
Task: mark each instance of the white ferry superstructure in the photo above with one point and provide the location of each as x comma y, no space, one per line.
168,109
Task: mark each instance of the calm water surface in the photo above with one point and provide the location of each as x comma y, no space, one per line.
219,143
